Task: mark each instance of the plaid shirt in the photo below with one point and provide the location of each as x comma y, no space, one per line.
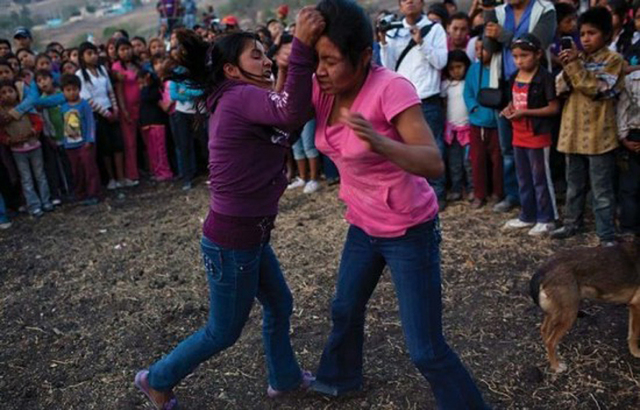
628,116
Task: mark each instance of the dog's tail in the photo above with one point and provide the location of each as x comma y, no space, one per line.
534,285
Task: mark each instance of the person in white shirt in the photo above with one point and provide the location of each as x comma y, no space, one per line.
421,65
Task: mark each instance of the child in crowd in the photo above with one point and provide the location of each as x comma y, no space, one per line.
157,47
457,128
588,132
79,139
633,53
44,63
307,158
74,56
5,47
622,34
153,120
55,159
98,92
628,116
533,102
21,136
27,59
126,70
13,60
567,18
68,67
486,159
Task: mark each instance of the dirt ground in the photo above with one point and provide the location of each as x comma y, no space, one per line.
89,295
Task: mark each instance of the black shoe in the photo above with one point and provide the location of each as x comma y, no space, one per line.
564,232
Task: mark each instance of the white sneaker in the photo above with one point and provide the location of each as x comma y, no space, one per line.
311,187
296,183
56,202
542,228
112,185
517,224
127,183
5,225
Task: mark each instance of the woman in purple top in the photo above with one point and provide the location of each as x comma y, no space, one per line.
248,141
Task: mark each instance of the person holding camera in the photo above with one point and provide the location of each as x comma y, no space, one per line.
513,19
418,51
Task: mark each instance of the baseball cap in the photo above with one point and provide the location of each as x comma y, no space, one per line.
22,32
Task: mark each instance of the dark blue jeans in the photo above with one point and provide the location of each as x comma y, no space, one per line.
183,126
537,196
236,278
505,134
434,114
459,163
414,260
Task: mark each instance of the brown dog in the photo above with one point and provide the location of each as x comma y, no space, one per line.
609,274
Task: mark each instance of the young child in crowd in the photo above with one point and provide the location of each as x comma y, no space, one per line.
56,163
68,67
532,104
98,92
457,127
628,116
157,47
79,139
21,136
486,159
153,120
126,70
588,132
567,18
633,53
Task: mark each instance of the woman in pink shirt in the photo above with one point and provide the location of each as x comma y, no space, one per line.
369,122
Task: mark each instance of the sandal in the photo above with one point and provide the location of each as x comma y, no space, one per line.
142,383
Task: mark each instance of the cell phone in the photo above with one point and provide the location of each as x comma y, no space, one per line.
566,43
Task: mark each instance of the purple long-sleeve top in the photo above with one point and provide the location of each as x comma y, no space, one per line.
249,136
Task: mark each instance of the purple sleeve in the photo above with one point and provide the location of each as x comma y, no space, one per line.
290,109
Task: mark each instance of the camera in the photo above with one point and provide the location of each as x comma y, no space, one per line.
388,22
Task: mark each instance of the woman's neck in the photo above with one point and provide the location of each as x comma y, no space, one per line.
526,76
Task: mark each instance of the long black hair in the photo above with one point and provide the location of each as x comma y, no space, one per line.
203,64
83,65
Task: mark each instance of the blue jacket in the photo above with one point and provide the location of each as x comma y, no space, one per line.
478,115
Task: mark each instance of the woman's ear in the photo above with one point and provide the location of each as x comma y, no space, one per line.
231,71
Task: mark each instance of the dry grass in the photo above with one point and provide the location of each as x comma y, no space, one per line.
90,295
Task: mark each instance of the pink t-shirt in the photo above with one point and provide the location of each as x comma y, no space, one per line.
382,199
130,89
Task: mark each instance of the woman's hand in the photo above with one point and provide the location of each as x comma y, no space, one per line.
361,127
282,56
309,26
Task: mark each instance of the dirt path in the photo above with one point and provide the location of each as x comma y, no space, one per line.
90,295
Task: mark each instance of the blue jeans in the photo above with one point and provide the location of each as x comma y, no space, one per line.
434,114
189,20
537,195
236,278
505,134
184,134
31,168
305,147
599,171
329,168
414,260
3,211
459,167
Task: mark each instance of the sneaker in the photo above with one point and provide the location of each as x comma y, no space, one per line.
608,244
56,202
296,183
542,228
22,209
564,232
47,207
307,379
142,383
454,196
311,187
187,186
127,183
504,206
517,224
5,225
112,185
477,203
37,213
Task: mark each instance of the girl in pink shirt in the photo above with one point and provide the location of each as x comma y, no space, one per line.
126,69
370,123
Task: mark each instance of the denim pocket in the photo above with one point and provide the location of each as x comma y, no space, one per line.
213,263
246,261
